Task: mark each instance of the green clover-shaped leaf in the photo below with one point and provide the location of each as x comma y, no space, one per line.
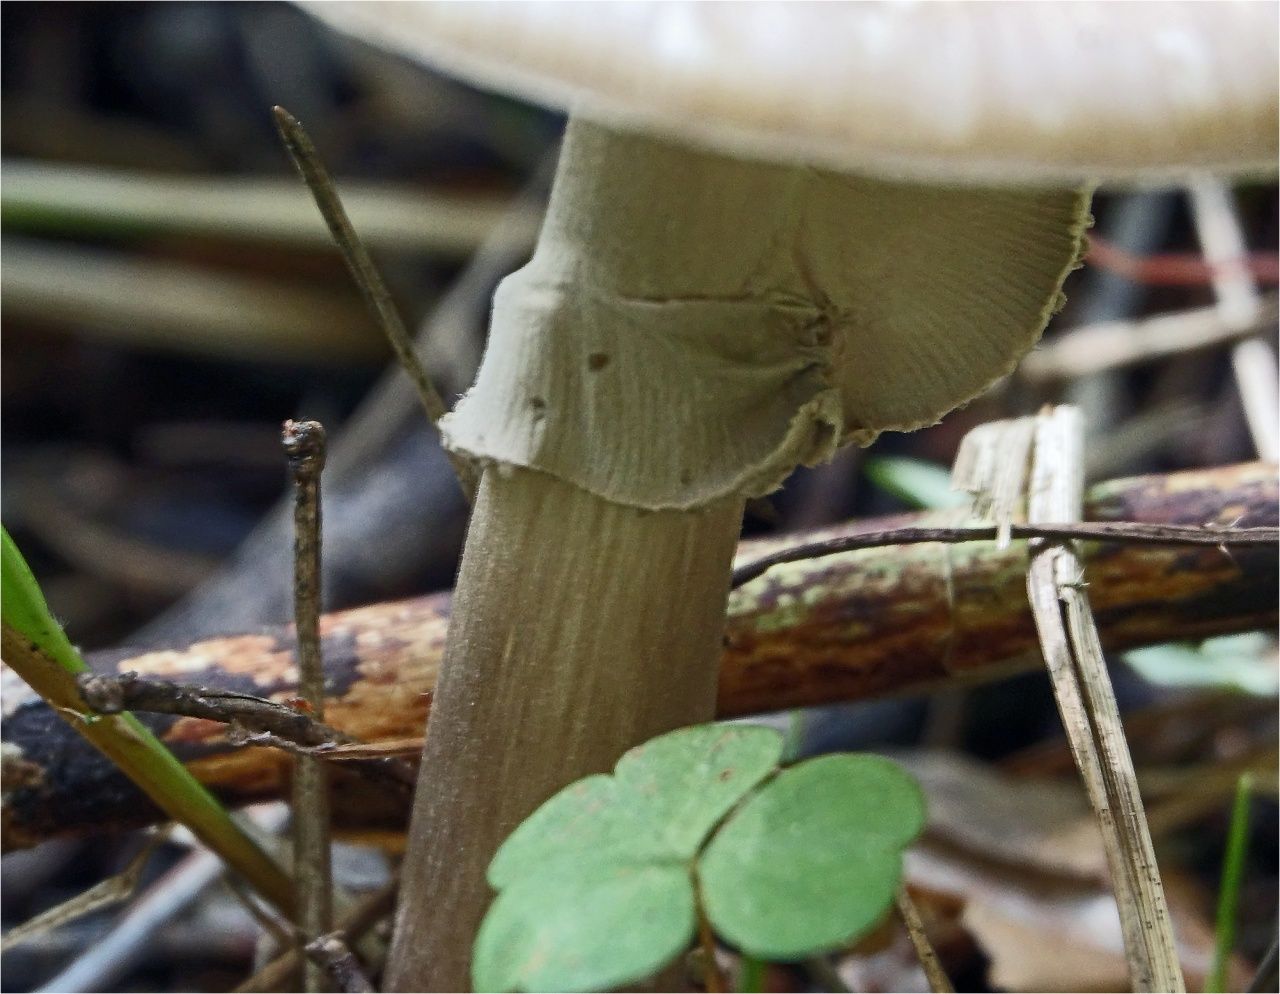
812,860
595,886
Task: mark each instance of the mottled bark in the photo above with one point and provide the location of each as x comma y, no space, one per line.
847,627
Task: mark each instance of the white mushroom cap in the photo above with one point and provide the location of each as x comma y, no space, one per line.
975,92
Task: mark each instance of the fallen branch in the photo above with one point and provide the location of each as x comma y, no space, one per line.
850,626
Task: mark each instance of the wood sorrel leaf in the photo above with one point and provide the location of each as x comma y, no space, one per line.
663,799
596,886
813,859
587,927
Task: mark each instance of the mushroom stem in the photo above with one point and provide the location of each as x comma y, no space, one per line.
690,328
581,627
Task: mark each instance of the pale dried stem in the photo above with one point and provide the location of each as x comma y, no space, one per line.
1253,360
111,956
1110,345
257,209
1088,707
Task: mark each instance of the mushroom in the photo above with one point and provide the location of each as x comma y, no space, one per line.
775,229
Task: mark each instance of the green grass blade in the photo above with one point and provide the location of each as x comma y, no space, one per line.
1229,893
918,483
36,648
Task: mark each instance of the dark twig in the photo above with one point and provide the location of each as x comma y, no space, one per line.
365,273
939,982
251,721
363,916
304,444
1102,531
330,952
113,693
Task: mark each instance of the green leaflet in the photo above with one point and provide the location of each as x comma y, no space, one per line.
590,926
660,803
597,886
813,859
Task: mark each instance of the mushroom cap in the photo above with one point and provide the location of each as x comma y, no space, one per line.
1001,92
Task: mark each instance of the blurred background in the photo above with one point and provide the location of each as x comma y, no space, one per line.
170,296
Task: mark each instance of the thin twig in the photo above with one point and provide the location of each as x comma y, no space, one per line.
363,916
380,760
113,693
304,444
939,982
365,273
250,720
114,954
1174,268
103,894
1103,531
282,932
148,763
111,956
337,959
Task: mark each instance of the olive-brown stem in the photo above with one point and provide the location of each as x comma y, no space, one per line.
691,327
580,628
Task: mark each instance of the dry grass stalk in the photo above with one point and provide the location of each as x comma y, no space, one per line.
1087,704
1253,360
1109,345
